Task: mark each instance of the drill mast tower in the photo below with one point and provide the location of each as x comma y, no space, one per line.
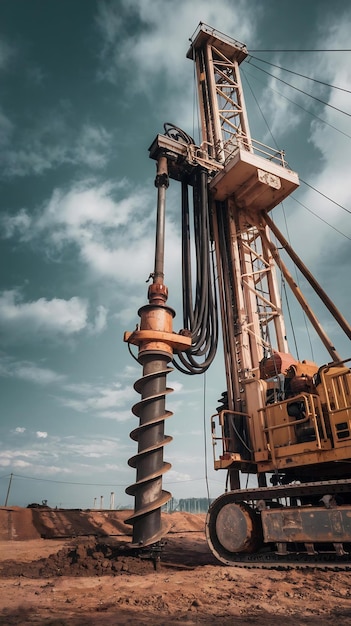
281,418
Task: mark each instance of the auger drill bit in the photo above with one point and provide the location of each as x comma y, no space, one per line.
156,342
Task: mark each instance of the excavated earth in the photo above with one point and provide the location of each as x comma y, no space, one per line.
75,568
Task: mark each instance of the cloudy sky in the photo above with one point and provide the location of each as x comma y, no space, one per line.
86,86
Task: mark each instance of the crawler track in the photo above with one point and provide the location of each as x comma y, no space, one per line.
162,554
259,527
322,561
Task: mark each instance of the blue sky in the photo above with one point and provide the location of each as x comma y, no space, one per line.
86,86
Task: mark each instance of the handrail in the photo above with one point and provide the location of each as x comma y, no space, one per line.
236,142
223,439
311,403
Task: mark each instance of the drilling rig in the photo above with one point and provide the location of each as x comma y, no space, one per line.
283,421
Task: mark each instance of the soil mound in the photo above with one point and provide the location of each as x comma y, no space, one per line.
19,524
88,558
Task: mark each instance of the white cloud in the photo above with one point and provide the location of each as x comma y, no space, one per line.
17,456
160,44
112,467
89,448
42,317
324,157
55,455
174,477
20,464
28,371
81,389
114,237
86,205
131,372
118,415
277,101
16,223
92,146
49,139
331,177
33,461
99,400
50,143
100,320
177,386
156,52
39,375
20,429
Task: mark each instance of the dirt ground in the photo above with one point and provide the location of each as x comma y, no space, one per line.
88,581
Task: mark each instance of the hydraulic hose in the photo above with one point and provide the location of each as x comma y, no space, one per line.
199,308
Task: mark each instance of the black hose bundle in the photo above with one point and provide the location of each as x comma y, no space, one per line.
199,309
